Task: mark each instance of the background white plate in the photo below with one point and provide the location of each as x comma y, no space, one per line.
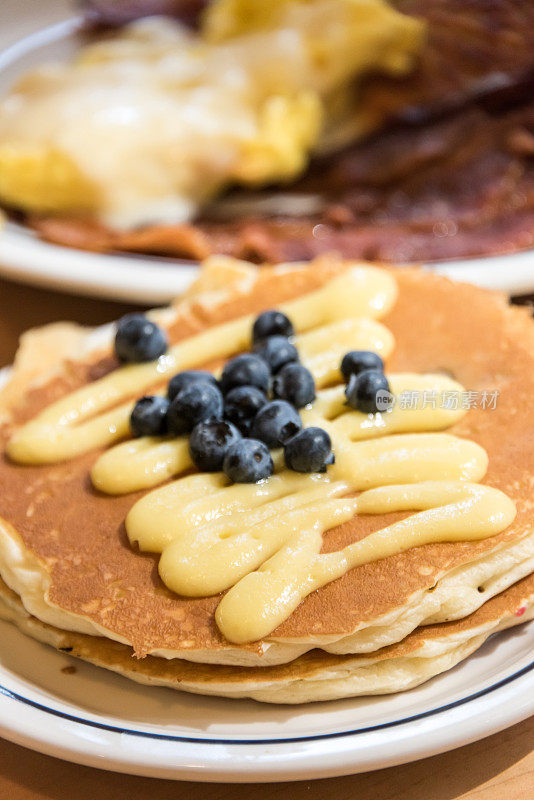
31,33
136,279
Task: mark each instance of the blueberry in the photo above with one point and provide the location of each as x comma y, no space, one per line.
186,378
295,384
276,351
245,370
276,423
309,451
148,417
138,339
248,461
209,442
241,406
357,360
271,323
196,403
365,391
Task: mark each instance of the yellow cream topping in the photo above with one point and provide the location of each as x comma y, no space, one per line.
262,543
152,123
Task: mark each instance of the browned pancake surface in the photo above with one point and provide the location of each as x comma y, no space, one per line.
80,536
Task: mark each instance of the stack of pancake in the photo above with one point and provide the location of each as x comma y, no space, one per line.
71,577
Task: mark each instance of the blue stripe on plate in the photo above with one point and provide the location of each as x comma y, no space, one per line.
169,737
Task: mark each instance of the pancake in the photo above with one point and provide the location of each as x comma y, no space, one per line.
63,547
312,677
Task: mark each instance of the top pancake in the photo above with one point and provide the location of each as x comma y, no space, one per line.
78,534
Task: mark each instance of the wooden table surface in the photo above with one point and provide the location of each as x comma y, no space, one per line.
501,766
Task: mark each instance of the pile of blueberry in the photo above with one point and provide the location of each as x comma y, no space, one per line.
233,423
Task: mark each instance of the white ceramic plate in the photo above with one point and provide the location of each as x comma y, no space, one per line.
102,720
29,39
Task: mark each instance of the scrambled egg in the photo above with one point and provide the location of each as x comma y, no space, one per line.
152,124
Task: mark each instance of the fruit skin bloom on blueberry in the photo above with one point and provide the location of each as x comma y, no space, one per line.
295,384
309,451
248,461
241,406
196,403
271,323
246,370
209,443
138,339
276,423
362,390
357,361
186,378
149,416
276,351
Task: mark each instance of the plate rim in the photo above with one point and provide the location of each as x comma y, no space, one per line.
123,277
494,687
239,763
